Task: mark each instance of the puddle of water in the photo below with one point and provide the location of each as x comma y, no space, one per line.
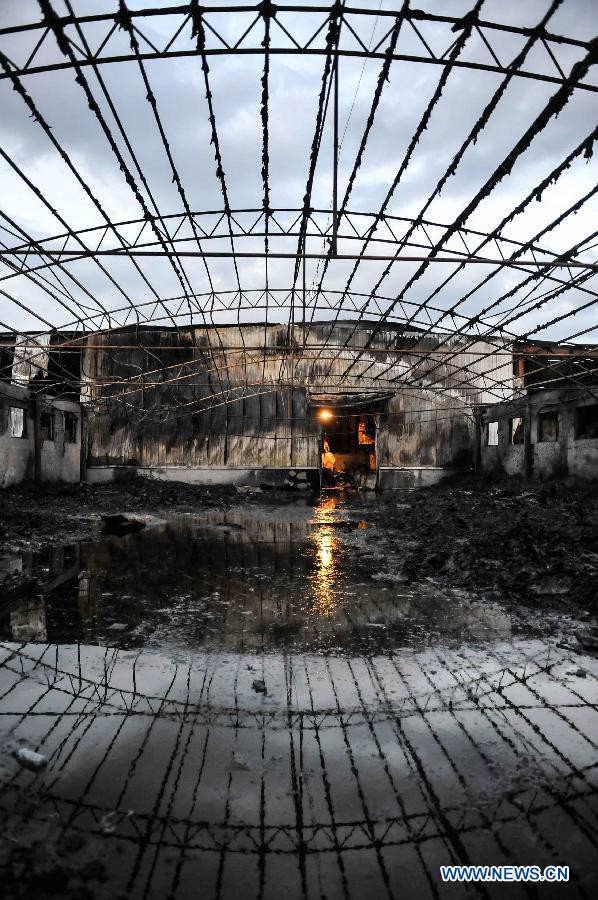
401,727
253,578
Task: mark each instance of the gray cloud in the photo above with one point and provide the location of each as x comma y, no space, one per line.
294,86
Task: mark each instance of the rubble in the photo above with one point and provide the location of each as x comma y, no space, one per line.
120,525
29,759
536,545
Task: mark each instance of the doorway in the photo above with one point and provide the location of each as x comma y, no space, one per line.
348,445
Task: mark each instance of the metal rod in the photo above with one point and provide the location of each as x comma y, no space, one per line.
293,51
223,254
333,242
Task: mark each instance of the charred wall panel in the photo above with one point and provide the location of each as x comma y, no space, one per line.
182,405
201,397
426,431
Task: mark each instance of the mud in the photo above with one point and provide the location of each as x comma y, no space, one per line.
317,697
527,543
32,516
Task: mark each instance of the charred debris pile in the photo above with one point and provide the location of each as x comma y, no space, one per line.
536,544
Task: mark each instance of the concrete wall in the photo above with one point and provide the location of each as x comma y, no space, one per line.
31,458
269,477
410,478
17,456
425,429
570,454
59,459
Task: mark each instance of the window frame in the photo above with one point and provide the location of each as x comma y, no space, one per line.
580,410
70,417
512,431
542,416
490,443
24,435
49,414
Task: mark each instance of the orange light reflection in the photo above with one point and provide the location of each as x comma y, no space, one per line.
324,579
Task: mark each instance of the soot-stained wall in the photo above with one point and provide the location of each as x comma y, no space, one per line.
240,397
558,435
181,400
43,441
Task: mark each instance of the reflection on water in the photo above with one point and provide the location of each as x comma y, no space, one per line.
254,578
169,775
325,573
28,621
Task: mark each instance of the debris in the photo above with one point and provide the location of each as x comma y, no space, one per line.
93,870
259,686
587,639
396,577
108,822
248,489
29,759
550,586
120,525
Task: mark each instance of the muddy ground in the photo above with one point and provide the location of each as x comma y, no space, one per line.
520,541
526,546
474,578
33,516
535,544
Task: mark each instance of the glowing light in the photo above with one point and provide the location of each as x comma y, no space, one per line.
325,415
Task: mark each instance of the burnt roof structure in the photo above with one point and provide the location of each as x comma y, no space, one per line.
310,213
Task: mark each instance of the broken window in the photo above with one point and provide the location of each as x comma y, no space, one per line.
47,426
70,428
548,426
17,422
516,430
493,434
586,422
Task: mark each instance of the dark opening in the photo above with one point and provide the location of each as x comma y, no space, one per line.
70,428
348,442
586,422
47,426
548,426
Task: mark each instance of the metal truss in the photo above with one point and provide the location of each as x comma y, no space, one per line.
285,35
393,256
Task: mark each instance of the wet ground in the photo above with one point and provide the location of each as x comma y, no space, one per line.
286,697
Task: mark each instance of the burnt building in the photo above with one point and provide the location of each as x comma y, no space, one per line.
270,404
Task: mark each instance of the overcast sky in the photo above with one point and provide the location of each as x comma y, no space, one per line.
294,87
